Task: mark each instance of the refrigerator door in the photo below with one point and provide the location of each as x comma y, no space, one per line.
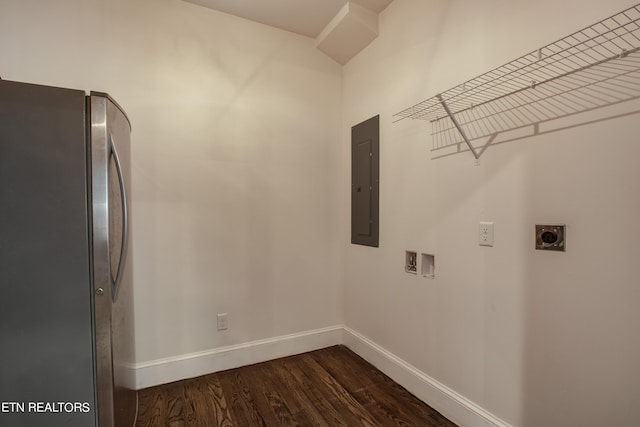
110,165
46,329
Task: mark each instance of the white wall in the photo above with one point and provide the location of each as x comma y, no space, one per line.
235,178
241,196
535,338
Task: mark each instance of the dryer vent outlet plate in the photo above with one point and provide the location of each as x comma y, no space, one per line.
551,237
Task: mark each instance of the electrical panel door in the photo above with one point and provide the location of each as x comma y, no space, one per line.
365,167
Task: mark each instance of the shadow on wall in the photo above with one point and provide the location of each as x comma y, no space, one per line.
538,108
596,67
534,129
580,307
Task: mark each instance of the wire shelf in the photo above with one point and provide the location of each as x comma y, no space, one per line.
591,68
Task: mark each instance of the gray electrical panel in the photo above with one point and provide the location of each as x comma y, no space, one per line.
365,168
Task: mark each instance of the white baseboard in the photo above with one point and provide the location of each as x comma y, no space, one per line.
452,405
163,371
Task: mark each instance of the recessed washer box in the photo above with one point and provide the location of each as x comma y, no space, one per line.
411,262
428,265
551,237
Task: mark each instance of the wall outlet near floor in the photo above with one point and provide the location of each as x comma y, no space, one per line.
485,234
223,321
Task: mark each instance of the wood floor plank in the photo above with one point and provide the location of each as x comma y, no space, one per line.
385,410
385,386
266,387
360,414
204,403
303,403
285,400
152,409
316,394
329,387
175,405
219,409
242,406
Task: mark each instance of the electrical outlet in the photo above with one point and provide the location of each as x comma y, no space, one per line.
223,321
485,234
550,237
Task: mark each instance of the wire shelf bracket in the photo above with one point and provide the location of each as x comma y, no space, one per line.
457,125
591,68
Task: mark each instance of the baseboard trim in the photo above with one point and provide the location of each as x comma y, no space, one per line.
163,371
449,403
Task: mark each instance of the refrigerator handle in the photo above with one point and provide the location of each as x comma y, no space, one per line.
125,222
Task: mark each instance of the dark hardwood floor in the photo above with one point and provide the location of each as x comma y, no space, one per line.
329,387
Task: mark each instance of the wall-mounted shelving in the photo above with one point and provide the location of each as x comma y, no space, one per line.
591,68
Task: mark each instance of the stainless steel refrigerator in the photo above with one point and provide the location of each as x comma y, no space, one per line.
66,298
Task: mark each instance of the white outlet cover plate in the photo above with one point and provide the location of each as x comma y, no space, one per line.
485,234
223,322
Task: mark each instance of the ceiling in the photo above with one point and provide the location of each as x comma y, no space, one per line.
305,17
